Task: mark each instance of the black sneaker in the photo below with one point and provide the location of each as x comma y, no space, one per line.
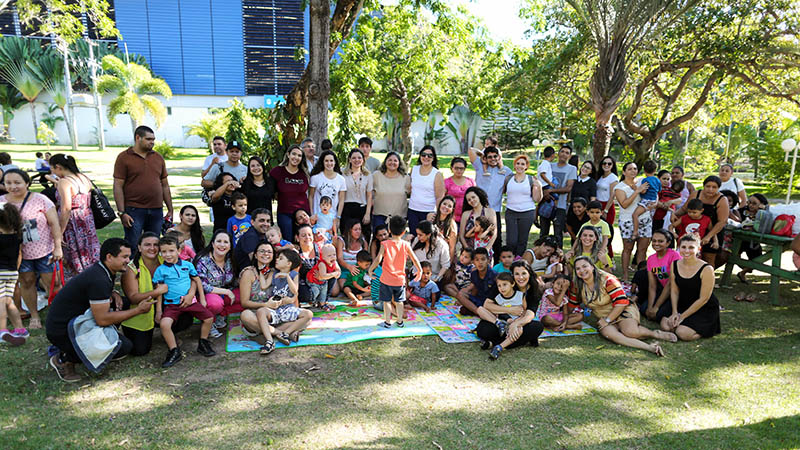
173,356
400,324
204,348
386,324
495,353
485,344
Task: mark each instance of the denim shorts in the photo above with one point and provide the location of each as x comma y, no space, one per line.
38,265
392,293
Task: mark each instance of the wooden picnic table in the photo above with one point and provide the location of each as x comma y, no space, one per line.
776,245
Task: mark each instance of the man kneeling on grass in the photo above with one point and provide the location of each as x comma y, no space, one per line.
91,292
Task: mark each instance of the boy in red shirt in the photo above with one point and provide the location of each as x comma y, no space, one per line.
694,222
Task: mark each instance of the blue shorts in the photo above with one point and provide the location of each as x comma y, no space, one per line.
392,293
38,265
477,301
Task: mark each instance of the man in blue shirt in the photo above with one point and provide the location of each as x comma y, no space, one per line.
490,177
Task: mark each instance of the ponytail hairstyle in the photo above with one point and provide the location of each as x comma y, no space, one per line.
65,161
10,219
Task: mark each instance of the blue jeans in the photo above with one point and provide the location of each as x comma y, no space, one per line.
285,223
144,219
414,218
319,293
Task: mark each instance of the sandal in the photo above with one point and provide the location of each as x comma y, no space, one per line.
268,347
658,351
742,276
327,307
294,336
283,338
739,297
35,324
750,298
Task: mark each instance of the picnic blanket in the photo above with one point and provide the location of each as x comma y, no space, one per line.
342,325
454,328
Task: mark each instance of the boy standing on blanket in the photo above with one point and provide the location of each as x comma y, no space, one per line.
394,252
178,282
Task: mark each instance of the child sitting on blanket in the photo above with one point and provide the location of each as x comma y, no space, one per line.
356,286
463,269
554,308
423,293
283,306
317,278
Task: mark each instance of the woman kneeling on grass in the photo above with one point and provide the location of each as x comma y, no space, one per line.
270,297
618,318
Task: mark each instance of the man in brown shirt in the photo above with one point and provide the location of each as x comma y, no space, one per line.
141,187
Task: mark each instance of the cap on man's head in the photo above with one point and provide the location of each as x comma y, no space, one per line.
234,144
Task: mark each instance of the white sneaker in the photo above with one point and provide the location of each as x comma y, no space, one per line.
219,322
214,333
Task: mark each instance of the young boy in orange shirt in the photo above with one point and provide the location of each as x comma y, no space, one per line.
393,253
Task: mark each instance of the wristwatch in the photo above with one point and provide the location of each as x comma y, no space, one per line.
120,214
606,319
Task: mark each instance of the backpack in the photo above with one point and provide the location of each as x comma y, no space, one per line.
764,221
508,178
782,225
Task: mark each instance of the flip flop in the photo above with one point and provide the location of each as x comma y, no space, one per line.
751,298
739,297
35,324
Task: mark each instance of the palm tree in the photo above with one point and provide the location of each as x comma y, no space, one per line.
50,70
10,101
134,87
18,59
208,127
462,122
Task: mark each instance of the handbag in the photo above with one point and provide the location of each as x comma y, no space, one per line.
58,273
102,212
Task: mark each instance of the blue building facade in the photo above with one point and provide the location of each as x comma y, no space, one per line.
210,47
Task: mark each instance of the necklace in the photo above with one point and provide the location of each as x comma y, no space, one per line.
357,181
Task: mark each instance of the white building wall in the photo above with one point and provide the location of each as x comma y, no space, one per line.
185,110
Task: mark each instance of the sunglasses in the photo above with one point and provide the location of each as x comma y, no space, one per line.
608,163
459,168
426,155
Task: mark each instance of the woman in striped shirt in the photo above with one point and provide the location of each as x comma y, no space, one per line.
617,317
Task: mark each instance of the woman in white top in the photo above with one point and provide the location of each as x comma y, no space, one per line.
522,191
731,183
427,187
607,180
358,198
327,181
627,194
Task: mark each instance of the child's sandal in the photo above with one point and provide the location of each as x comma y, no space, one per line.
327,307
283,338
268,347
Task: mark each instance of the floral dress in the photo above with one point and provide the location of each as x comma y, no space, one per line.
80,244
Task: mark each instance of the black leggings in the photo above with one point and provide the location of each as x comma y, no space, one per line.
530,333
68,353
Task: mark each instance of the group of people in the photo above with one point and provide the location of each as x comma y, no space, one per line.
367,230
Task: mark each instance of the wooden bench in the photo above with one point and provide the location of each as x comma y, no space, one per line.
775,246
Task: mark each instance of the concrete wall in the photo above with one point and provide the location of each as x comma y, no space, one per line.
185,110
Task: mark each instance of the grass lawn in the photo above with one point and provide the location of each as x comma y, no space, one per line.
738,390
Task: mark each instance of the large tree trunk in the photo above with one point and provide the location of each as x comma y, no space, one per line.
405,123
296,108
602,139
319,88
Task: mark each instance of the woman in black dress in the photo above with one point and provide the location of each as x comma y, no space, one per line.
693,312
257,186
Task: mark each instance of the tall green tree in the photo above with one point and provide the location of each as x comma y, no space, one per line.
401,59
649,66
135,89
18,59
209,126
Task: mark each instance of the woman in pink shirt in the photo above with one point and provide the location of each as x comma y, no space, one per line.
658,267
457,185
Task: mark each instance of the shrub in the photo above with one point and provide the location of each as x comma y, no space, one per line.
165,149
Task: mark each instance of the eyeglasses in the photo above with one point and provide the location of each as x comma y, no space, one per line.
492,156
608,163
426,155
